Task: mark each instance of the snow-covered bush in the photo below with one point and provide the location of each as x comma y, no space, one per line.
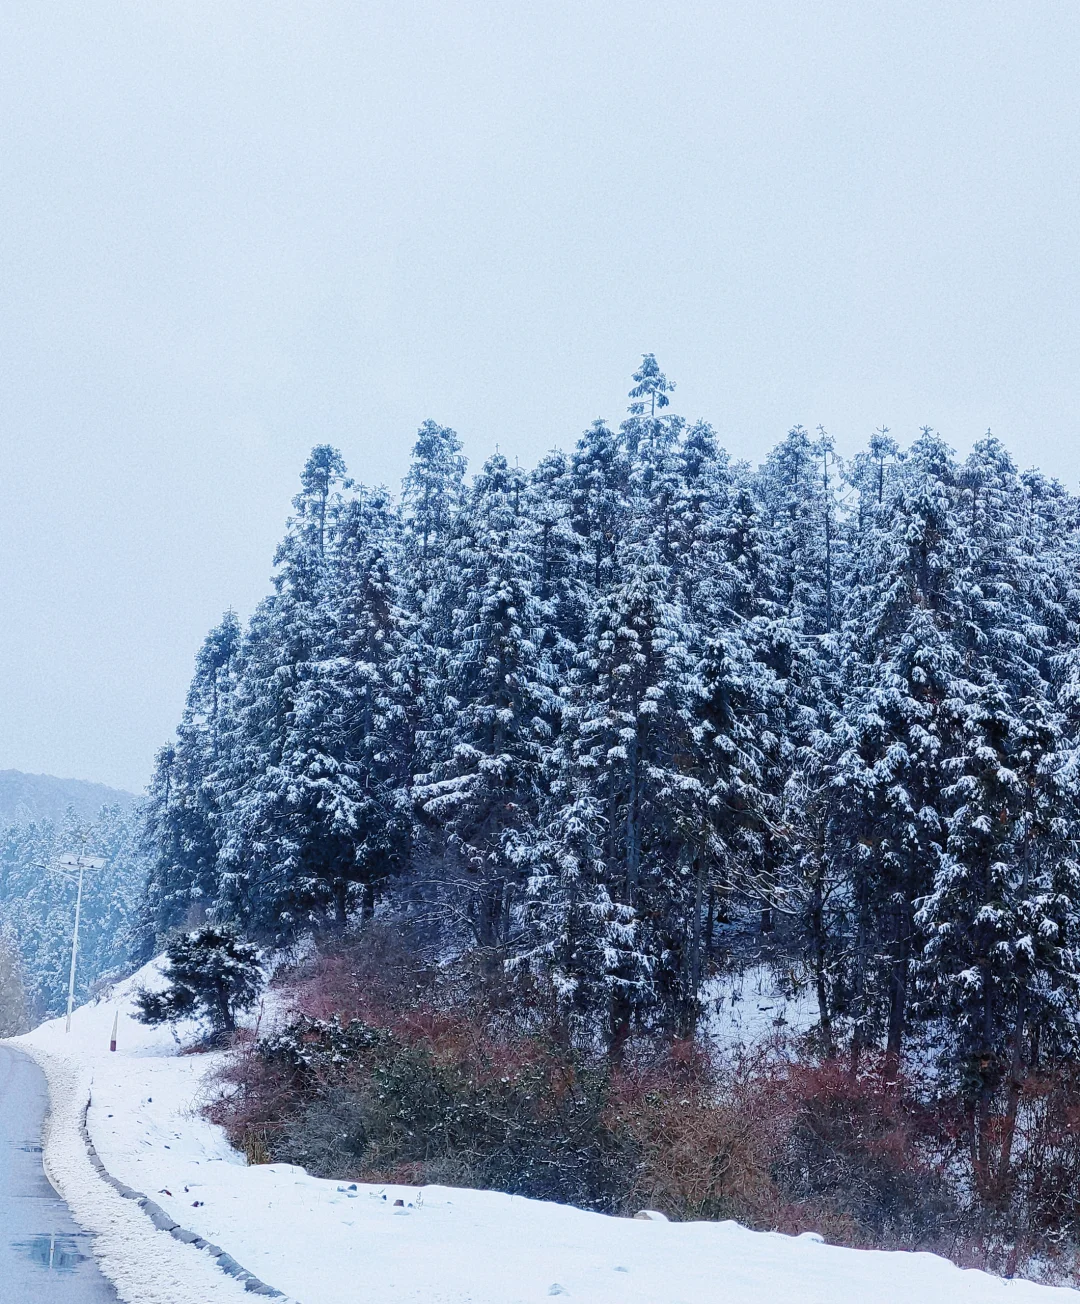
211,974
391,1073
452,1104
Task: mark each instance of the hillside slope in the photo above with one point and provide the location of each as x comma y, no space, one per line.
325,1242
42,796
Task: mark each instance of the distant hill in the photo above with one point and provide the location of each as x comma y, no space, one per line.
40,796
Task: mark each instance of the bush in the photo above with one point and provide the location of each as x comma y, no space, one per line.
363,1103
868,1153
211,974
703,1139
389,1071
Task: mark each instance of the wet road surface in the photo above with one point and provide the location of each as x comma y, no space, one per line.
44,1257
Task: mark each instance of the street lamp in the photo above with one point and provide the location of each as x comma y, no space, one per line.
80,863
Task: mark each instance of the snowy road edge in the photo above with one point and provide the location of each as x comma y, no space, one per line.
164,1223
124,1221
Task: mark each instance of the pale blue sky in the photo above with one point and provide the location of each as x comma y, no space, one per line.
230,230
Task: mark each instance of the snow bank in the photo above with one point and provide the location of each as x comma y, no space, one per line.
324,1243
147,1266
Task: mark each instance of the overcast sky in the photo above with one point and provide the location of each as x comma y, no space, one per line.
231,230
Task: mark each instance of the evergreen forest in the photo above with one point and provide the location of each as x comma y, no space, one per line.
605,724
37,908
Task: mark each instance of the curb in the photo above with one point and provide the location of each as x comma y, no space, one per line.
164,1222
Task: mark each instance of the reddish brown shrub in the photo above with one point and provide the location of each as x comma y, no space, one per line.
401,1073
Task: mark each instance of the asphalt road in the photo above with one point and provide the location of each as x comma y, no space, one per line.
44,1257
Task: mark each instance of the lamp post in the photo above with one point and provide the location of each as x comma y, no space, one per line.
73,863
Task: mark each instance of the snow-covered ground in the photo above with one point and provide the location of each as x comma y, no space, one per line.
323,1243
748,1008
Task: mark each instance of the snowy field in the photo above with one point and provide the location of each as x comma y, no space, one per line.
322,1243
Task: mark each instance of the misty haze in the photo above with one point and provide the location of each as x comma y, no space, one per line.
541,744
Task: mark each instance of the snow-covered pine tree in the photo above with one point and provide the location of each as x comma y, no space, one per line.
797,492
1002,956
631,726
211,974
797,488
362,792
720,807
1001,922
432,494
575,937
701,515
723,811
498,708
871,473
888,754
557,548
292,788
651,388
183,812
652,439
600,502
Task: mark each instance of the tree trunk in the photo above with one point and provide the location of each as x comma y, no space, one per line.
898,982
1012,1101
710,922
341,899
982,1113
491,913
224,1005
632,834
699,893
619,1027
689,1019
898,993
858,1002
817,933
